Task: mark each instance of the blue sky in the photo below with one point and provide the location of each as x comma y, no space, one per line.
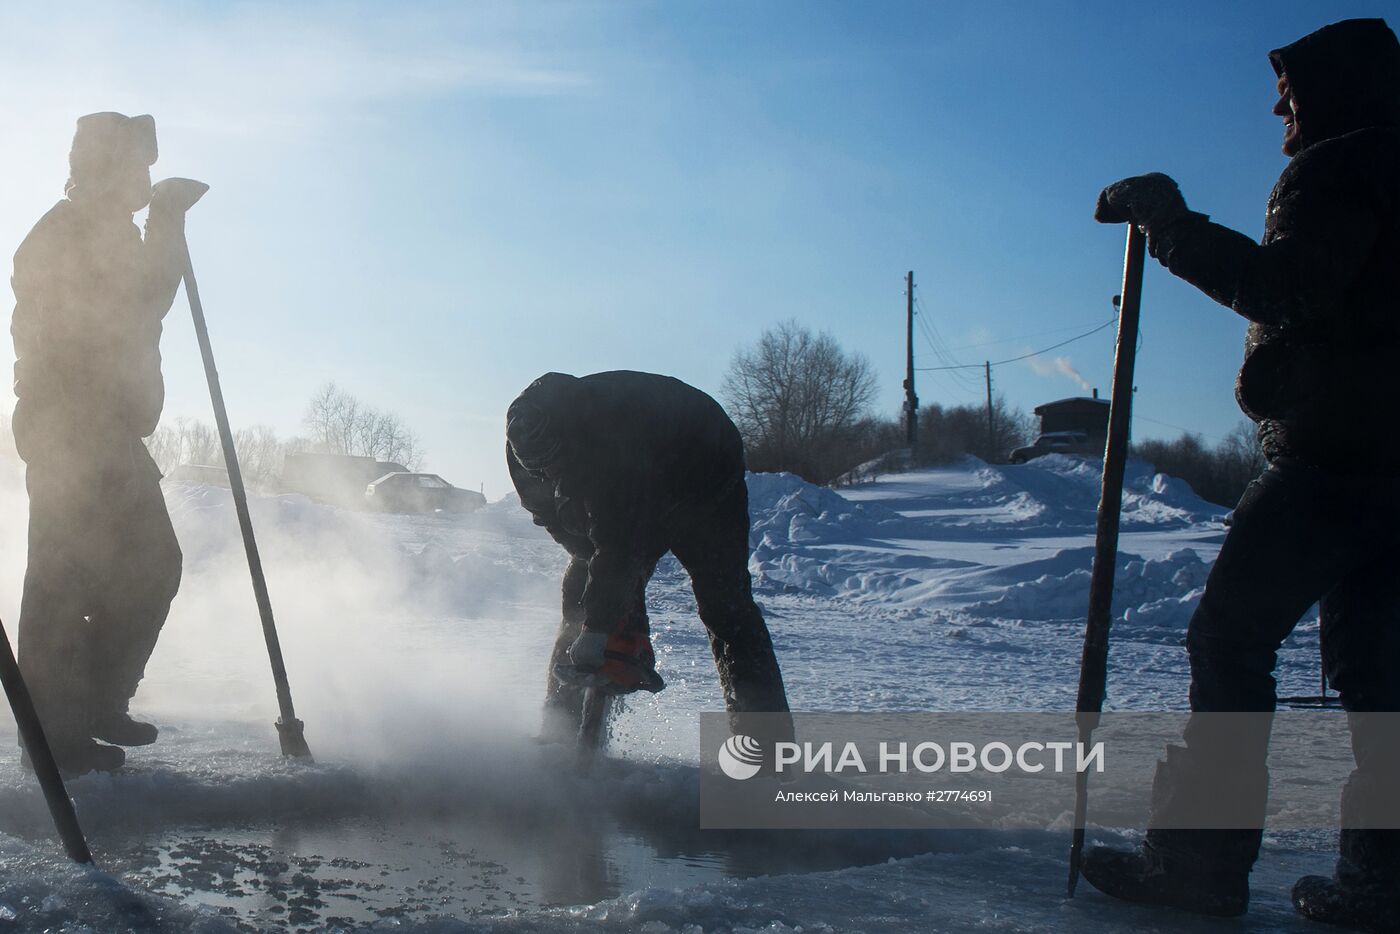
432,204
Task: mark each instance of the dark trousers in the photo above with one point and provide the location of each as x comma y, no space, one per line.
711,541
104,566
1299,535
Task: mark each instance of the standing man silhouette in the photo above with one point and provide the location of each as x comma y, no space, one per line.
104,564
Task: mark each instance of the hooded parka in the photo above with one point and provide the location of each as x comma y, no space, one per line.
1322,289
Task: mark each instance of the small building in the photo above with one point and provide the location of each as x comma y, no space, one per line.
1078,414
1076,426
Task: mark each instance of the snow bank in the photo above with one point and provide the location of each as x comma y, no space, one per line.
793,520
1062,492
813,540
1156,593
786,508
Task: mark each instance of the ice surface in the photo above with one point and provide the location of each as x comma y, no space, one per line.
416,648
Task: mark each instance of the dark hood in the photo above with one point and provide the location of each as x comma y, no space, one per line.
1345,76
537,421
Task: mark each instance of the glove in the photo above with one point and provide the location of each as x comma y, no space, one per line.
1150,201
175,196
587,650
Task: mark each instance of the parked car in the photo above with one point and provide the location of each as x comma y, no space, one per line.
419,492
338,479
1058,442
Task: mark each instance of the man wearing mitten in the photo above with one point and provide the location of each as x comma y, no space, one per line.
620,468
104,565
1322,295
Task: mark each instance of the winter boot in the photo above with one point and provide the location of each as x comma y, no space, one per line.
78,757
1205,871
119,729
1360,908
1364,895
1148,877
1365,892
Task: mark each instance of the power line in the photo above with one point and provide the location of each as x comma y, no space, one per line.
933,338
1027,356
1188,431
1022,337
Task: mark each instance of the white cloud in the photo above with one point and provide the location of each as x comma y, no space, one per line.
260,69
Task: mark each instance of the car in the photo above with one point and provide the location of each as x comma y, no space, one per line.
336,479
1058,442
402,491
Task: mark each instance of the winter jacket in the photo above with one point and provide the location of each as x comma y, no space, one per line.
1322,290
90,295
638,454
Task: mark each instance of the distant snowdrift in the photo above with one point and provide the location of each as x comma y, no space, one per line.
1145,593
813,540
1061,493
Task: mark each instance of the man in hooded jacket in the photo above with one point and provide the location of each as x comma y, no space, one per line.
619,468
104,564
1322,295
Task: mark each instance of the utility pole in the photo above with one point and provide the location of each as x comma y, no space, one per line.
911,401
991,413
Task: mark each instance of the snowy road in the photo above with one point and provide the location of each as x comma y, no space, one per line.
416,648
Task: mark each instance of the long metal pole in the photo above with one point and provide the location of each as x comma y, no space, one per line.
1093,667
31,733
290,730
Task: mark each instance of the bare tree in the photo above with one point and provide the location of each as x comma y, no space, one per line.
184,441
1240,459
798,399
164,448
947,434
331,418
188,441
1219,474
260,455
338,423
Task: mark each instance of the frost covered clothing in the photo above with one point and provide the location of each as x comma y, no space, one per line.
623,467
1322,291
1322,294
104,564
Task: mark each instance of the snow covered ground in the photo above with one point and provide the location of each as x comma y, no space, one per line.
416,648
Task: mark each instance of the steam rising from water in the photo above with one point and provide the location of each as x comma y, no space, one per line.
407,640
397,643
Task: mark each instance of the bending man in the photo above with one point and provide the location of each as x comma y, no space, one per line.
620,468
